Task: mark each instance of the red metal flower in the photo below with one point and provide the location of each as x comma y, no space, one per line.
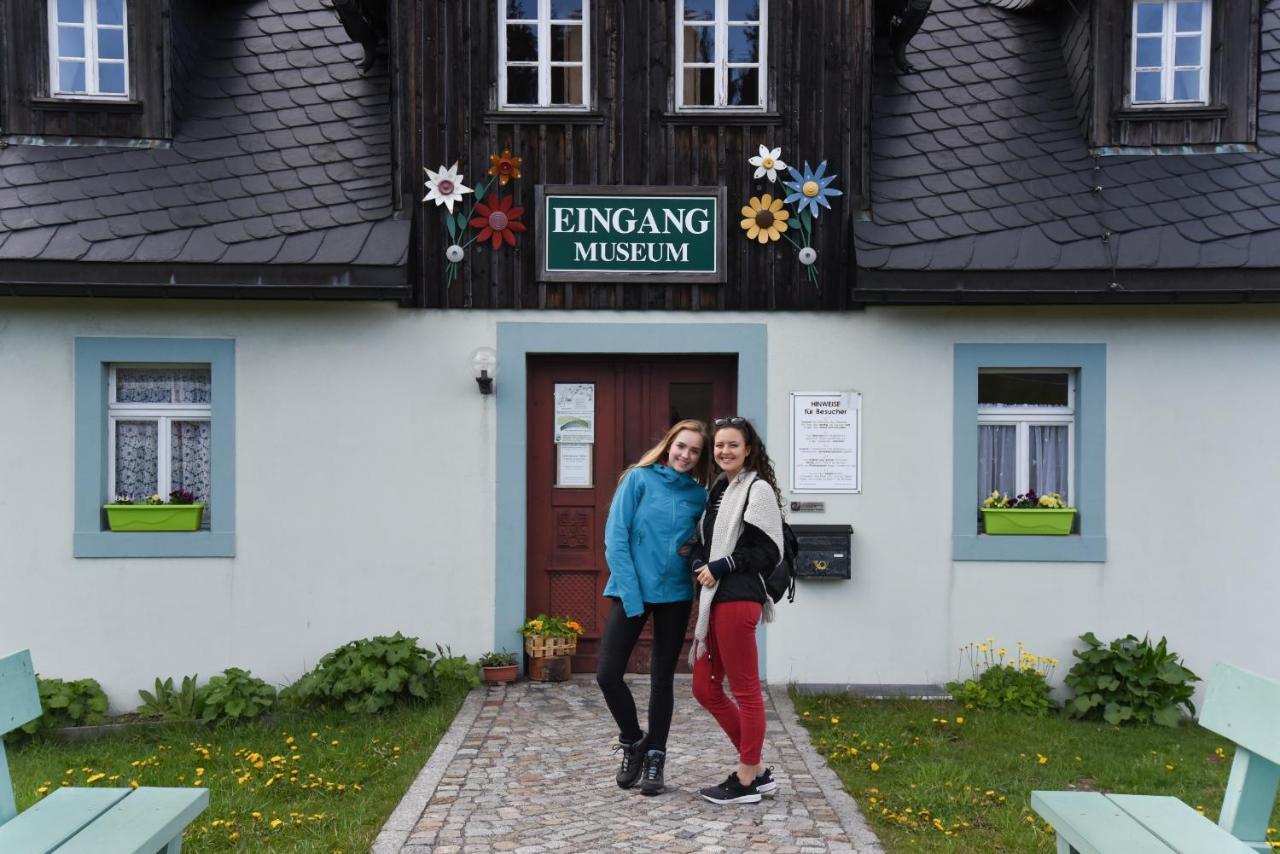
498,221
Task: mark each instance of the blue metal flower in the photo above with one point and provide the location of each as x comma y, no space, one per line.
810,189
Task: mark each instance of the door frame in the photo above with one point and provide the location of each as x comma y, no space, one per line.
516,342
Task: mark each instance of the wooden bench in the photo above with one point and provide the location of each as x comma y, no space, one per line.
1240,705
83,820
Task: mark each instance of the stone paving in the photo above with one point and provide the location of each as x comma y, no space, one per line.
529,768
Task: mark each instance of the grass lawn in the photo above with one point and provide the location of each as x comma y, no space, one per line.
934,777
310,782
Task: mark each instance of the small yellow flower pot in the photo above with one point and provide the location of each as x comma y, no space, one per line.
1002,520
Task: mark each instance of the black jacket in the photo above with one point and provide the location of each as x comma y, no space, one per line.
753,554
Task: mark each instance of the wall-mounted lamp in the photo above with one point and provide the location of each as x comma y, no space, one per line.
484,367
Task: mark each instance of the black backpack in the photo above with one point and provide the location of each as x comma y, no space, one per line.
781,580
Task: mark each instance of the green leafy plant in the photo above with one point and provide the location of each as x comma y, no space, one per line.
170,703
497,659
78,703
234,695
1026,501
369,675
999,682
1130,680
454,673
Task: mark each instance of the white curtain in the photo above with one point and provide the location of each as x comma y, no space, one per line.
189,458
997,459
1049,460
137,450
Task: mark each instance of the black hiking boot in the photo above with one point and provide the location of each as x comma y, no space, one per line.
651,782
632,761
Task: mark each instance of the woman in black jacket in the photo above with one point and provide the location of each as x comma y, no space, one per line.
740,541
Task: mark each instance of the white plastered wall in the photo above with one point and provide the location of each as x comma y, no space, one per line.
365,493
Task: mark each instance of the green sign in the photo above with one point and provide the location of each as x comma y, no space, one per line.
630,234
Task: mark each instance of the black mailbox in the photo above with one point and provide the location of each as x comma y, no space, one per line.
824,550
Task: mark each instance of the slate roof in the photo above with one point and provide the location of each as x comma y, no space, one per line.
282,156
979,164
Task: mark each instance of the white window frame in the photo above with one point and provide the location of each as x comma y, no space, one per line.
544,63
1168,36
90,58
721,61
162,413
1023,418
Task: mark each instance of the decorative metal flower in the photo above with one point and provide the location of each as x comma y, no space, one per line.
764,218
810,189
768,162
497,220
445,186
505,166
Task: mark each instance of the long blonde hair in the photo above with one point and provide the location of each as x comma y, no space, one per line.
701,471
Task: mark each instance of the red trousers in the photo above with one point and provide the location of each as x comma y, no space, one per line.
731,644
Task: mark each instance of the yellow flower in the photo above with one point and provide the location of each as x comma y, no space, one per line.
95,778
875,766
764,218
835,720
275,822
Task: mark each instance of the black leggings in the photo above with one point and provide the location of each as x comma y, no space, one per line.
670,620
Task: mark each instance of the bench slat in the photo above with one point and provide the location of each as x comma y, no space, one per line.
1243,707
46,824
19,698
144,821
1181,827
1095,825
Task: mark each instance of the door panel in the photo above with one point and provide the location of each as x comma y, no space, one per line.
637,398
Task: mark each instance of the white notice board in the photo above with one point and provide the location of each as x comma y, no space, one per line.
826,441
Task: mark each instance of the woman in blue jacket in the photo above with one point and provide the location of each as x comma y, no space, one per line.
654,513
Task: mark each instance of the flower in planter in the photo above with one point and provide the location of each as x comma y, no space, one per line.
1026,501
182,496
563,627
122,499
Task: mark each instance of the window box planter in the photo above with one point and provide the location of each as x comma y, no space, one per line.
1028,521
154,517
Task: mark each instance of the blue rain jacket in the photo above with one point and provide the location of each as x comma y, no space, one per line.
654,512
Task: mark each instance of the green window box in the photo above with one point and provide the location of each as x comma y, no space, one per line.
1028,521
154,517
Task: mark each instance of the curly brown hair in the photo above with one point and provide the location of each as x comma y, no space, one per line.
757,457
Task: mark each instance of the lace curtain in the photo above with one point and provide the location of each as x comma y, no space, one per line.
998,459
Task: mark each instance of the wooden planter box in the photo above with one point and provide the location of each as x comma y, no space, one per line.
555,669
1029,521
154,517
544,646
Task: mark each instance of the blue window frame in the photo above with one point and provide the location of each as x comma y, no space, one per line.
93,360
1088,362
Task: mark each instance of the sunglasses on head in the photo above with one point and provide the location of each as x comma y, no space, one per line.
735,421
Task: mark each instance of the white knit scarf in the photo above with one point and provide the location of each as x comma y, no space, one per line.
739,502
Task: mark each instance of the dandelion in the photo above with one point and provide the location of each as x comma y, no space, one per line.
875,766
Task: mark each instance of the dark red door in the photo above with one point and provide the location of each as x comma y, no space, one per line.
636,399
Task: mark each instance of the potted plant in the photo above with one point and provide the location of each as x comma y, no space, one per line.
498,667
182,512
549,642
1027,514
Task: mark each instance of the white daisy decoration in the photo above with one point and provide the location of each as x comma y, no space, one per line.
445,186
768,163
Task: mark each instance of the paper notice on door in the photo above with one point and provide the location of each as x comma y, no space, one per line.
573,466
575,413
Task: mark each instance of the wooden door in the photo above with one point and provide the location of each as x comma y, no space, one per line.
636,399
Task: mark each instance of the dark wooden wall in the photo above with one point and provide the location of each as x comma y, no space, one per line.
25,105
818,109
1230,117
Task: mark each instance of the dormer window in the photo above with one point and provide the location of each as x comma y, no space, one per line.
1170,59
88,49
721,51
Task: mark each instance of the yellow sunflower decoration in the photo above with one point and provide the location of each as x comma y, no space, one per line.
764,218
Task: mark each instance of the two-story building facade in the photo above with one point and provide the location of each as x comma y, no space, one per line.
234,263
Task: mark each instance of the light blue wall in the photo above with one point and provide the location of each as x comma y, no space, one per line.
516,342
1090,362
91,538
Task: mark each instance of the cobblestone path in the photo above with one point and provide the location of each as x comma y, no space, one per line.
529,768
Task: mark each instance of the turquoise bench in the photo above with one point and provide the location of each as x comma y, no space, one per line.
1239,705
83,820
